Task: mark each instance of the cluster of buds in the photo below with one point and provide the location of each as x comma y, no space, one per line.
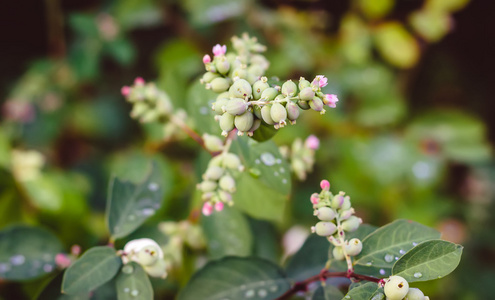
336,217
301,155
180,234
218,183
148,254
26,165
246,100
397,288
149,104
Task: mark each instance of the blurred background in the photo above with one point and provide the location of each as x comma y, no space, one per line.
411,136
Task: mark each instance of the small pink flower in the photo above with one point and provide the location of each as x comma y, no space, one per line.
206,59
219,50
319,81
62,260
139,81
315,198
331,100
125,91
325,185
75,250
219,206
207,209
312,142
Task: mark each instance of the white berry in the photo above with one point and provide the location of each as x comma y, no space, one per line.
396,288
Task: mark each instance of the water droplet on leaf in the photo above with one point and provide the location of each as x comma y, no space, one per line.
402,251
153,186
388,258
134,293
249,294
47,268
382,272
268,159
17,260
128,269
262,293
418,275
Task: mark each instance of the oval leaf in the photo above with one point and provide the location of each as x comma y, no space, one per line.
367,291
27,252
327,292
129,204
133,283
97,266
236,278
310,259
429,260
387,244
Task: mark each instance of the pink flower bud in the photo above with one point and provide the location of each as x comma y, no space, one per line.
315,198
75,250
312,142
325,185
207,209
331,100
125,91
206,59
219,206
319,81
219,50
62,260
139,81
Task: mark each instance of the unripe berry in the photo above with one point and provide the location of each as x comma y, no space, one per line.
240,72
338,253
222,65
257,111
244,122
259,86
236,106
303,104
414,294
346,204
219,105
256,70
220,84
353,247
148,255
209,76
278,113
325,213
231,161
289,88
256,125
269,94
292,111
207,186
325,228
266,116
303,83
240,89
227,183
396,288
227,122
351,224
159,269
316,104
138,109
212,143
337,201
213,173
306,94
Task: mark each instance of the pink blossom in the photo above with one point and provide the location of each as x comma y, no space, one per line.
315,198
139,81
219,50
219,206
325,185
207,209
319,81
62,260
331,100
312,142
75,250
206,59
125,91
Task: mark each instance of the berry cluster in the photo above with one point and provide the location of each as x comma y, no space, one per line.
246,100
181,234
218,183
148,254
301,155
336,217
397,288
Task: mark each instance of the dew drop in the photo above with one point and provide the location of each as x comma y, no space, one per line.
347,297
249,294
275,173
47,268
282,170
418,275
153,186
273,289
268,159
396,258
284,181
378,296
388,258
128,269
17,260
203,110
369,263
134,293
147,211
279,161
127,290
402,252
382,272
414,244
262,293
4,268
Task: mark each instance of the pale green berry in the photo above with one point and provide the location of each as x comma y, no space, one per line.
325,213
212,143
159,269
231,161
306,94
244,122
338,253
353,247
224,95
219,84
346,204
289,88
396,288
150,116
216,161
227,122
414,294
303,104
258,88
240,73
207,186
220,105
325,228
351,224
209,76
222,65
256,70
148,255
257,111
240,89
251,78
256,125
236,106
292,111
278,113
269,94
303,83
227,183
138,109
213,173
316,104
337,201
266,116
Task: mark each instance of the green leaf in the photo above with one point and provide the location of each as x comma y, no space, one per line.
236,278
387,244
133,283
367,291
428,260
52,291
310,259
95,267
129,204
227,233
122,50
27,252
263,188
396,44
199,101
327,292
